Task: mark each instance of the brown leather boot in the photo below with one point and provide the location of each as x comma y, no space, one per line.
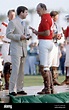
41,67
55,76
6,77
47,83
42,91
7,73
46,77
55,82
66,81
51,83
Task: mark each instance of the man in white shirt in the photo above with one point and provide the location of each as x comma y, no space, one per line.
55,53
5,48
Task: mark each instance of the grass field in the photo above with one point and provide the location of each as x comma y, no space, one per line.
36,80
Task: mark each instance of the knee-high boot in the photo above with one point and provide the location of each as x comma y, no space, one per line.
6,77
66,81
7,73
51,83
46,77
55,75
1,83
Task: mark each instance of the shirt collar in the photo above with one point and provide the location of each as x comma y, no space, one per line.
19,19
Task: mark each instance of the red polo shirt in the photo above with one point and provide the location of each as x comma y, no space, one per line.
45,24
67,32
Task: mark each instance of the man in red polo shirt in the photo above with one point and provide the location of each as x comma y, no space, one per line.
45,34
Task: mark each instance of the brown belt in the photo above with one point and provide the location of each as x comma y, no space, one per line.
6,41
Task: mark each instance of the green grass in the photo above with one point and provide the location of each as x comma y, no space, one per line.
37,80
33,80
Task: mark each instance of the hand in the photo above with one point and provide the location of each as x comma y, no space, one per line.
23,37
1,37
33,30
59,36
29,37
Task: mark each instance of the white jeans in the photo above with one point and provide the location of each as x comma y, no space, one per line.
45,47
54,55
5,51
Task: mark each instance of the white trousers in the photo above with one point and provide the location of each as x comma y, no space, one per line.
26,66
54,55
5,52
17,75
45,47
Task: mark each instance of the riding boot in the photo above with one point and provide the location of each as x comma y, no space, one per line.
55,75
7,73
66,81
1,82
47,82
6,77
46,78
51,83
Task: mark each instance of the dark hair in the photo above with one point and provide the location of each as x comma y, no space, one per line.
10,11
43,6
21,9
53,13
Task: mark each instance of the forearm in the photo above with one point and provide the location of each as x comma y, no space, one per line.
15,37
44,33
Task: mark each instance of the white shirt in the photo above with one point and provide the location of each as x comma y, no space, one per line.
3,31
